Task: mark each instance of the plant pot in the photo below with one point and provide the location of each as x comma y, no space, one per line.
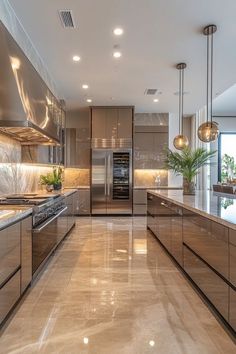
188,187
49,187
57,186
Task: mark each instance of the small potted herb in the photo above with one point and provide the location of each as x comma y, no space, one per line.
52,180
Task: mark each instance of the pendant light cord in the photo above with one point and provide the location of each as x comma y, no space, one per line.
207,78
182,95
179,101
211,75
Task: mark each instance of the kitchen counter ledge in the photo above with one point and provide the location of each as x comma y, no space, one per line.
206,203
11,214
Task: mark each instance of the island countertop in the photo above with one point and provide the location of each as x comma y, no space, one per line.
206,203
11,214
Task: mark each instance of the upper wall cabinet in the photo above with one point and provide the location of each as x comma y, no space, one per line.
77,152
149,147
112,122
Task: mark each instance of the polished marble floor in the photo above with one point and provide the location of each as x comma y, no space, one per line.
111,289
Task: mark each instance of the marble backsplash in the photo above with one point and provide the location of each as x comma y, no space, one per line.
75,177
150,178
16,177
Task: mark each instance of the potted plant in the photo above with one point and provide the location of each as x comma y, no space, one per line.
52,180
187,163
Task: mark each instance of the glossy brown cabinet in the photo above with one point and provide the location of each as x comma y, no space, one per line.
149,148
232,255
205,249
166,224
112,122
9,294
10,257
232,308
208,239
26,253
213,286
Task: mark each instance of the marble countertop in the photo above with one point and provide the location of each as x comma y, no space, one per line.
10,214
206,203
65,191
155,187
78,187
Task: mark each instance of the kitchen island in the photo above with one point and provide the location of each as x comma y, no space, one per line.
199,232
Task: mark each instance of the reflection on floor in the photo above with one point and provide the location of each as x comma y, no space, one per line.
111,289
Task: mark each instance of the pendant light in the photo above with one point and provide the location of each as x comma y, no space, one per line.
209,130
181,141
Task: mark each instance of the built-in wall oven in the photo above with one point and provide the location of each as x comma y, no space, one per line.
111,181
49,227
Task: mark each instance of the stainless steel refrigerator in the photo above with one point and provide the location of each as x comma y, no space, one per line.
111,181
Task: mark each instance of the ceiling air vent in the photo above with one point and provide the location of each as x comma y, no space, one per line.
150,91
66,18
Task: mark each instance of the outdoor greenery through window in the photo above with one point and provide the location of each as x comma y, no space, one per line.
227,157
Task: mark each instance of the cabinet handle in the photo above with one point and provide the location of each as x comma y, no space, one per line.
164,204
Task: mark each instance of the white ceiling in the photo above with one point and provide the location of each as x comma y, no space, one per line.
158,34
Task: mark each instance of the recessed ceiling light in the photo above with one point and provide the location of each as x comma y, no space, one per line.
76,58
89,100
155,100
118,31
85,86
117,55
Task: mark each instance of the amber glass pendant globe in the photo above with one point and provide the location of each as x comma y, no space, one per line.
180,142
208,132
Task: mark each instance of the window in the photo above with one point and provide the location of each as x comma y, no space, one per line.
227,157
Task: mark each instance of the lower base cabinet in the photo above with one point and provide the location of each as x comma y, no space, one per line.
232,308
203,248
9,295
213,286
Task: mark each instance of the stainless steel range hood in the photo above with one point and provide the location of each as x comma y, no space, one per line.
28,110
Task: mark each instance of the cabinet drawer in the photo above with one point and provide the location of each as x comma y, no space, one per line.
139,209
140,196
209,240
9,251
232,255
214,287
232,309
9,294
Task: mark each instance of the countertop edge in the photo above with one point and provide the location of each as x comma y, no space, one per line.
13,219
217,219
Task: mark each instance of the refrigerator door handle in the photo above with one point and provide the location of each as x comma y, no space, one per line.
105,177
108,173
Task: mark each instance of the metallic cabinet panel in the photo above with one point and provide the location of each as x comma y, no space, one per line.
140,196
99,182
208,239
149,150
232,309
9,294
125,123
216,290
62,225
177,234
111,123
26,253
83,203
9,251
139,209
232,255
99,119
163,220
151,212
77,149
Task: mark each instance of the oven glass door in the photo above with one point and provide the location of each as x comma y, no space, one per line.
44,242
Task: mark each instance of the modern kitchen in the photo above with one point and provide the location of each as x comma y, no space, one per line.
117,177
